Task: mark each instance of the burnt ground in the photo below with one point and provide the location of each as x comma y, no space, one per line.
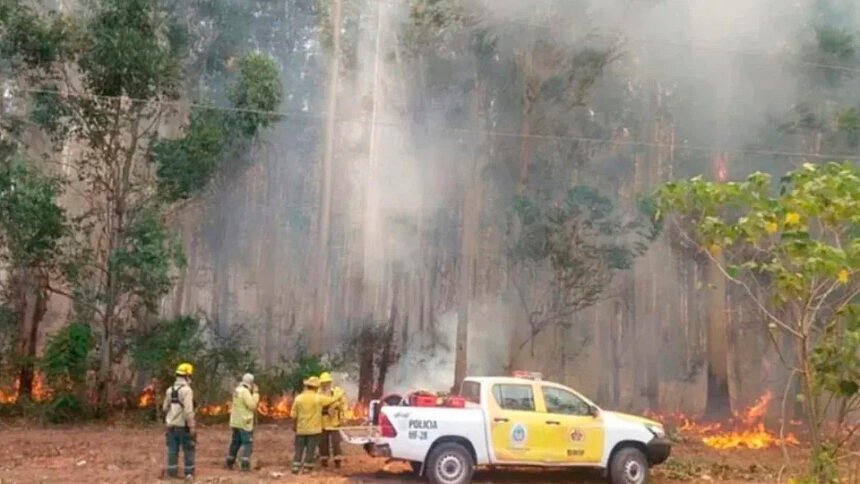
135,453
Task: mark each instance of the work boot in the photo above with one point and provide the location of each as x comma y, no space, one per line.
324,463
246,466
229,463
337,464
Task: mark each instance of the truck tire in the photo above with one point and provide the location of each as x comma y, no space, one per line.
449,464
628,466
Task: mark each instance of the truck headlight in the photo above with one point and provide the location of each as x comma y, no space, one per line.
657,430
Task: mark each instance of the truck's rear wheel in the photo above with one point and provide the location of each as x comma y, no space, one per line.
449,464
628,466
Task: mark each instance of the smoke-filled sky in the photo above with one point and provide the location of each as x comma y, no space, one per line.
728,71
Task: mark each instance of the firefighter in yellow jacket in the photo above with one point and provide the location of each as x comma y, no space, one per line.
306,413
332,419
245,401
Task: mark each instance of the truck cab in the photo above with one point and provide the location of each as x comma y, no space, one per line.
516,421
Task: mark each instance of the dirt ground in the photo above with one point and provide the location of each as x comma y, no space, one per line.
129,453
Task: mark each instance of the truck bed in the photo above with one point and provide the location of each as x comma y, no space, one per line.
418,428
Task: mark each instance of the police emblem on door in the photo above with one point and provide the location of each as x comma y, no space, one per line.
518,436
576,436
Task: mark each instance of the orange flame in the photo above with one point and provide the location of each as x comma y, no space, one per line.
357,412
745,430
147,396
41,393
278,409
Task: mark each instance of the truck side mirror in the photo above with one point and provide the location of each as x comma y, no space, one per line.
593,411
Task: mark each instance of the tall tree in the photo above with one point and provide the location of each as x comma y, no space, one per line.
103,84
32,228
795,255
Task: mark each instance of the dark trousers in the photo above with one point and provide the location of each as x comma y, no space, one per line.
242,439
306,448
330,447
179,438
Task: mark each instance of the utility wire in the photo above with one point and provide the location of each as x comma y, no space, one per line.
463,130
681,45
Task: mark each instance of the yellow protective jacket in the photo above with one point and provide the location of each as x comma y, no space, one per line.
244,406
179,405
307,412
333,414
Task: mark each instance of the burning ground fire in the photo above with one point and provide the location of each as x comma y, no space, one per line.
745,430
40,392
277,409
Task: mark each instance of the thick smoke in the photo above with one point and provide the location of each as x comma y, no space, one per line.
725,70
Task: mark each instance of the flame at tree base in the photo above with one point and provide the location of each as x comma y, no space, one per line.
275,409
40,392
746,430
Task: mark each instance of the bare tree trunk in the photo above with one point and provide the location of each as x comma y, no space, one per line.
30,304
322,254
469,239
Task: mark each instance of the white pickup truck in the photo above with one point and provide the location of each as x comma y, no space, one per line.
518,422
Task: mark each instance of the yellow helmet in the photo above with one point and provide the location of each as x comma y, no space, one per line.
312,382
325,377
184,369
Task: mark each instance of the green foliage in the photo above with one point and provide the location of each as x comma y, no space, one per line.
142,263
213,137
65,408
66,359
28,40
256,93
126,54
799,248
290,375
159,348
581,239
8,336
32,223
185,163
834,358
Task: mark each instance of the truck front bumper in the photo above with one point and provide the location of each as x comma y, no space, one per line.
658,450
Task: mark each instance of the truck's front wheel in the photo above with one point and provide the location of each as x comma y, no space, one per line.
628,466
449,464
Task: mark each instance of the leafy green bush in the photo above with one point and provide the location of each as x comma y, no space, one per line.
65,365
289,375
159,348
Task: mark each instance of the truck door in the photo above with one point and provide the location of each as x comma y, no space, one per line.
576,435
517,433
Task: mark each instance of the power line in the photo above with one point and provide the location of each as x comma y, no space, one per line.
470,131
693,46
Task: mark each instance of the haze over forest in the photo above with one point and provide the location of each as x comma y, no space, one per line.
415,156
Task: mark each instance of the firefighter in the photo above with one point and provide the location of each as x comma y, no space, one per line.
179,418
331,420
306,412
245,400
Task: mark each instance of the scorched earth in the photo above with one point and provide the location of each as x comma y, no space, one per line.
135,454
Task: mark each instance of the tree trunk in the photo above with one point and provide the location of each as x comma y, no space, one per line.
324,216
718,384
30,305
365,364
469,239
